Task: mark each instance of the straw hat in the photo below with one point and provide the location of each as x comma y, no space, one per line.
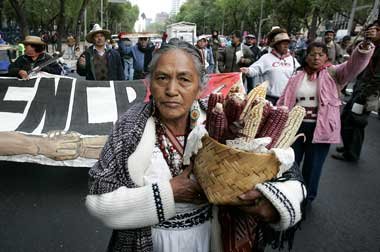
97,29
283,36
33,40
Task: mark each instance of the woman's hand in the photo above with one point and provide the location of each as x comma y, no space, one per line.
244,70
186,189
23,74
259,206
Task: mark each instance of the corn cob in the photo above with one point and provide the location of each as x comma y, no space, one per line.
280,115
234,105
218,123
292,125
266,111
274,124
213,99
253,118
258,92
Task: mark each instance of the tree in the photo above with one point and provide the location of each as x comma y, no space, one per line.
61,24
18,6
79,20
293,15
66,16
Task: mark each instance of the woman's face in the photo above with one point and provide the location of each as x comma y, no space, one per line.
29,50
282,47
175,85
316,58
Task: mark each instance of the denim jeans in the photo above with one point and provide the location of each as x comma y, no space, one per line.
128,69
313,155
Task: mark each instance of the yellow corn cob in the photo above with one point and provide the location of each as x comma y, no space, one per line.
259,91
292,125
253,119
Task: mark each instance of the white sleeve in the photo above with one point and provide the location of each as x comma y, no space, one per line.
127,208
257,68
286,197
297,64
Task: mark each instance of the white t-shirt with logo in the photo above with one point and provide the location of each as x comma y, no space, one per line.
277,71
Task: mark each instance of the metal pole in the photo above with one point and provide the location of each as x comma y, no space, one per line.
85,26
261,20
101,13
352,15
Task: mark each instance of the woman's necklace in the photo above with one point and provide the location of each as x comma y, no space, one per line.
172,156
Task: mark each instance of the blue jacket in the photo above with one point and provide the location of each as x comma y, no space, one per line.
138,56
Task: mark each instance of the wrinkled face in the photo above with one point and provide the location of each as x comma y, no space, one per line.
329,37
174,85
99,39
316,58
282,47
30,51
143,42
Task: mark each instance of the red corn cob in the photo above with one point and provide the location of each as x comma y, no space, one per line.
218,123
275,124
213,99
266,111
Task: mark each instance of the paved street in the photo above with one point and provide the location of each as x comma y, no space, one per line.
42,208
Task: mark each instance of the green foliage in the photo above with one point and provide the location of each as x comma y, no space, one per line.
43,14
229,15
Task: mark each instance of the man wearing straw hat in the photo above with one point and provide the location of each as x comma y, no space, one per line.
34,56
100,62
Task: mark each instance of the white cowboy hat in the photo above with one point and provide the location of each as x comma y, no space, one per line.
97,29
33,40
283,36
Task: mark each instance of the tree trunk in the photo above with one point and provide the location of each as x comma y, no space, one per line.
21,17
78,23
61,24
314,25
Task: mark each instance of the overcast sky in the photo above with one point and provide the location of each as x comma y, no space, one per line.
152,7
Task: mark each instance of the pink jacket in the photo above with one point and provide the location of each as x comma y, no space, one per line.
328,120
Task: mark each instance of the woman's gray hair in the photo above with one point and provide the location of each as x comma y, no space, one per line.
186,47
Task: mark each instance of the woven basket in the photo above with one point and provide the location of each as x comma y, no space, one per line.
225,173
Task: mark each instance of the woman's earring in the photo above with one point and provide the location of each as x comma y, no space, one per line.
195,112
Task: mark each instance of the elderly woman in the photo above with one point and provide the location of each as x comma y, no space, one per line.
316,88
277,66
140,188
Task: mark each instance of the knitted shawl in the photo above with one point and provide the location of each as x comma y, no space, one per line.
111,172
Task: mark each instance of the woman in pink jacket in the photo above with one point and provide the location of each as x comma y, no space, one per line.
316,88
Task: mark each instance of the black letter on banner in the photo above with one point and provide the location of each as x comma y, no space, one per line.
79,119
13,106
121,95
55,105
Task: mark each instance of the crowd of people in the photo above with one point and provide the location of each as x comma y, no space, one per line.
140,188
